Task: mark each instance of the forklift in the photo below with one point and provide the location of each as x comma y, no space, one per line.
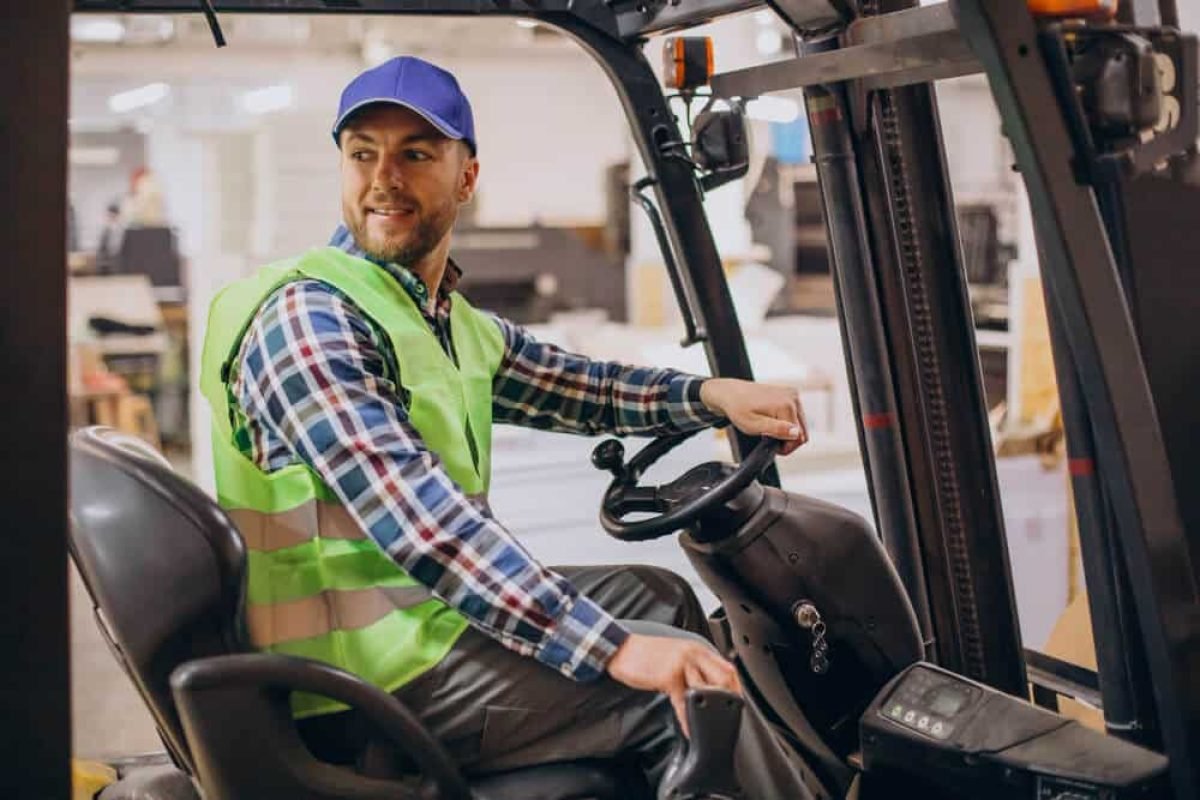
1099,101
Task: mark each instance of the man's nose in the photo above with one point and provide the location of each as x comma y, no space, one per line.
388,174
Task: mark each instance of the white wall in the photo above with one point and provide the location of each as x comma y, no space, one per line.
547,128
1189,15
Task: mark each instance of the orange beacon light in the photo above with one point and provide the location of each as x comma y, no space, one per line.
1106,9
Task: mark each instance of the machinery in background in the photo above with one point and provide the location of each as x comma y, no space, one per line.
528,273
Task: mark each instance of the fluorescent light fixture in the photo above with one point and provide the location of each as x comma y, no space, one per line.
96,30
149,29
80,156
526,23
268,98
376,50
136,98
773,109
768,42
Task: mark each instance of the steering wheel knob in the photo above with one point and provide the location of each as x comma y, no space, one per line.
610,455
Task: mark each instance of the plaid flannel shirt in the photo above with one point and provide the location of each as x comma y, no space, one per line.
312,361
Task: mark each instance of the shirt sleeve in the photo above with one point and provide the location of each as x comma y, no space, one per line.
540,385
311,370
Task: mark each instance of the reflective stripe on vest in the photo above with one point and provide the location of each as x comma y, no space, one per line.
330,610
271,624
265,532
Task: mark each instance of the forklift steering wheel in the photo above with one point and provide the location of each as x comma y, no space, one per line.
675,504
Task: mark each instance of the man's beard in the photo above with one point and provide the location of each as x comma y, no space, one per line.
425,236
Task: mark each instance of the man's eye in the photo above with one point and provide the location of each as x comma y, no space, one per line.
361,155
416,155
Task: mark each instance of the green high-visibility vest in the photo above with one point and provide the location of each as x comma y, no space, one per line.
319,587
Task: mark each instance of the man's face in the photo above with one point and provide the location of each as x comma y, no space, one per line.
402,183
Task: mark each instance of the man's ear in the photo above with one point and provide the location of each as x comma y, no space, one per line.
468,179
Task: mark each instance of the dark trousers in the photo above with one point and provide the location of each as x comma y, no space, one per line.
496,710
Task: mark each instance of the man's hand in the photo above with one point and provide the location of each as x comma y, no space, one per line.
671,666
758,409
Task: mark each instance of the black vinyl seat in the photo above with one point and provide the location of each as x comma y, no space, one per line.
166,570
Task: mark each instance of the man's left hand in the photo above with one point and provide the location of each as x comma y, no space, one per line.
758,409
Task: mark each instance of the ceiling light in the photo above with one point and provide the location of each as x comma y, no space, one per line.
149,29
268,98
136,98
80,156
526,23
96,30
768,42
376,50
773,109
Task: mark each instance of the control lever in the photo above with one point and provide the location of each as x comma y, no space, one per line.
702,768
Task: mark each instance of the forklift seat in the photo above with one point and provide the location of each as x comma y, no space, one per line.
166,571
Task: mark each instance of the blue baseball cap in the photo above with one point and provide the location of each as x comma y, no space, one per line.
417,85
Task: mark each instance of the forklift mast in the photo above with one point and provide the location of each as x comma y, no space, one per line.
1078,89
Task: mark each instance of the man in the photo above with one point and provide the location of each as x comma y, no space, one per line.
353,393
109,247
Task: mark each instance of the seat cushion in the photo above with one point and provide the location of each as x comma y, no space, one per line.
572,780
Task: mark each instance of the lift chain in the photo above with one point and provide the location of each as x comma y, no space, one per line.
937,413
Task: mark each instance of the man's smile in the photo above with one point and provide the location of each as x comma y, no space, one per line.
390,212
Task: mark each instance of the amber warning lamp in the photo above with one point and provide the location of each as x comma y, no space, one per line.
1106,9
687,62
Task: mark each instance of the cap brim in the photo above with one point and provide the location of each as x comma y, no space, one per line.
446,128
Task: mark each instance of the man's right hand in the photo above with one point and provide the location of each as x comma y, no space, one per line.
672,666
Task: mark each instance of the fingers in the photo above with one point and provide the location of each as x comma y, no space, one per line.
679,704
802,418
791,426
706,669
703,669
699,667
783,428
775,412
795,444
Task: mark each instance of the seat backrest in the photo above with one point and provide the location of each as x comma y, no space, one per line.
164,565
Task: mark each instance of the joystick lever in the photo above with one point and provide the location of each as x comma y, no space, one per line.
702,767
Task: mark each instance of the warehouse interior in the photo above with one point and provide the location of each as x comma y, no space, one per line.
190,167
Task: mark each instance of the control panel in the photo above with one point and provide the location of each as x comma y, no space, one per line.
932,703
971,740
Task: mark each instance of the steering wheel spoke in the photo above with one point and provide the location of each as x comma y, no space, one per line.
641,500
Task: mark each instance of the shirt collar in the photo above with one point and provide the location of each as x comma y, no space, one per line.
343,240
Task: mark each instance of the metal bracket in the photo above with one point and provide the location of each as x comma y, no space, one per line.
1179,128
917,45
813,17
805,16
